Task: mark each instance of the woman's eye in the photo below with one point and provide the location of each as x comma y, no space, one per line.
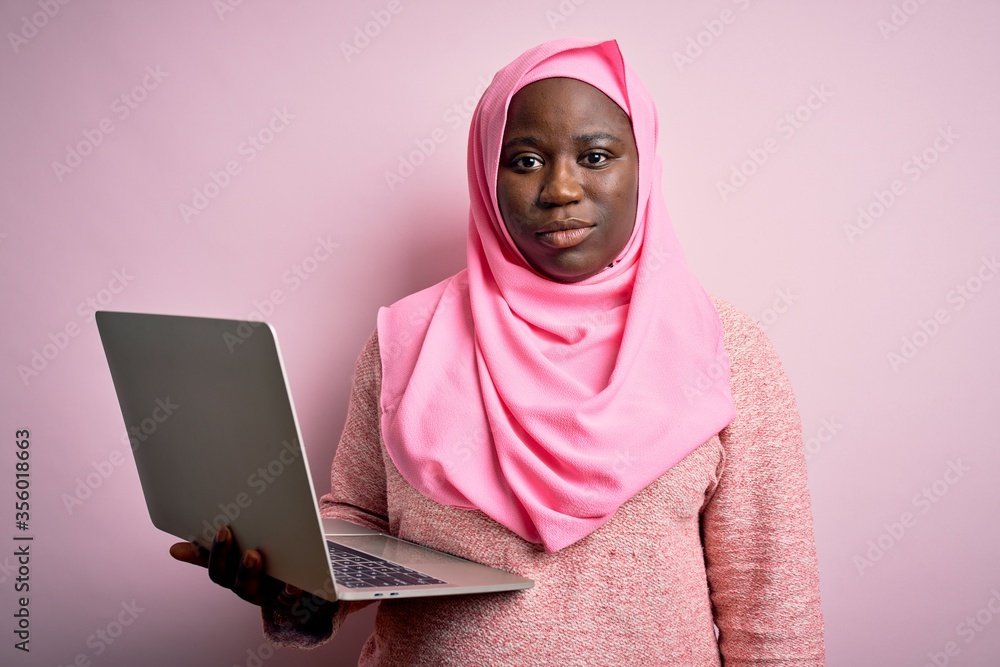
595,159
526,162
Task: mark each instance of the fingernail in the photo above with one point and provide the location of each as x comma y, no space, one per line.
248,560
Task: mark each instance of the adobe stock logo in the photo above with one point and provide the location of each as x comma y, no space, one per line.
561,12
135,435
914,167
364,35
923,501
927,329
454,116
704,39
122,107
970,627
900,16
223,7
101,639
295,276
786,127
259,481
783,301
31,25
248,149
43,356
707,377
828,429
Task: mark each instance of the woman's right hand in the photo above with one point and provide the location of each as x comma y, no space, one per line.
243,573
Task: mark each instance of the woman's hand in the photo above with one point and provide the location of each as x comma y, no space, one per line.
243,573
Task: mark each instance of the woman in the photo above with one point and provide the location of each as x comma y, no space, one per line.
574,408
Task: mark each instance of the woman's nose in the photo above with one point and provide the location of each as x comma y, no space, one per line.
561,185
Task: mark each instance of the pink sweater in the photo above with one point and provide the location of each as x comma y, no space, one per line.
723,537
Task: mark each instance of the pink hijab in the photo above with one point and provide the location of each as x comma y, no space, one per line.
542,404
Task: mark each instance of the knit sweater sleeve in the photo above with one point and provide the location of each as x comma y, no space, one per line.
357,489
757,522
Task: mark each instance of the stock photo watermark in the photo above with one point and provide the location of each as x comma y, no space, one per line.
899,16
968,629
783,301
296,275
223,7
247,151
365,34
134,436
33,23
456,289
927,329
89,483
59,340
914,168
7,569
122,107
828,429
137,434
454,116
562,11
922,502
785,127
22,540
101,639
703,40
707,377
257,657
258,482
658,258
461,451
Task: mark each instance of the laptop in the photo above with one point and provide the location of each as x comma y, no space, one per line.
216,442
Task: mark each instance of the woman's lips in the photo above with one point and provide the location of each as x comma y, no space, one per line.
565,238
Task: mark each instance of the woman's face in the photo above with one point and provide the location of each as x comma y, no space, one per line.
567,184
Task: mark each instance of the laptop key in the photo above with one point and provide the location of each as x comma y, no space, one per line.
355,568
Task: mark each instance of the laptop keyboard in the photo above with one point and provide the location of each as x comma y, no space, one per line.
355,569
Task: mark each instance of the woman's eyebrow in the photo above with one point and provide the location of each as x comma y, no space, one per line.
520,141
588,138
595,136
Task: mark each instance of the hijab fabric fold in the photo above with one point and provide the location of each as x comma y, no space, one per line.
548,405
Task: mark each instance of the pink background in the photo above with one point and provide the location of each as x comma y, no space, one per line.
834,304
